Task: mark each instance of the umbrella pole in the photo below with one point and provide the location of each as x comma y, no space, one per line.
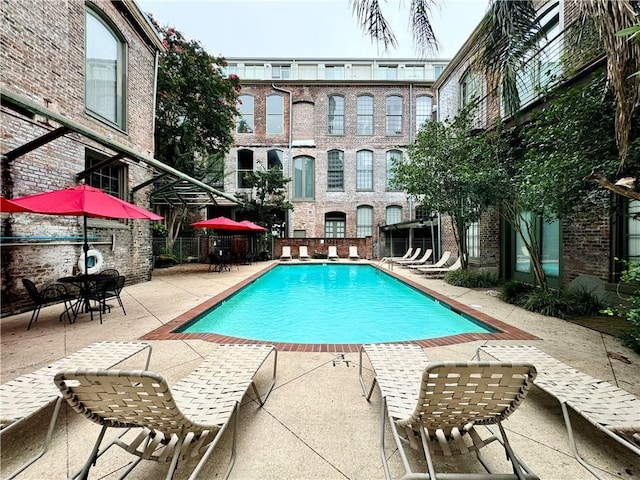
85,247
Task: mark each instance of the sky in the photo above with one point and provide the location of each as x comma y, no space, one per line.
308,28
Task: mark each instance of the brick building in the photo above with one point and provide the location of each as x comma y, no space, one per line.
334,126
575,251
78,106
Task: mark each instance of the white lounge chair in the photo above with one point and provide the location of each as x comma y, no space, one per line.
439,405
440,272
415,255
286,253
420,261
25,396
610,409
444,259
186,420
333,253
303,252
353,253
404,257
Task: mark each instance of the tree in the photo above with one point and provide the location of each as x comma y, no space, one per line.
195,114
450,170
267,202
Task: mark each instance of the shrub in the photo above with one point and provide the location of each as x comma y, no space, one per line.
631,312
553,303
472,278
585,303
516,293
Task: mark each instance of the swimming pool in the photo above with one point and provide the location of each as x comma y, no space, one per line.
332,303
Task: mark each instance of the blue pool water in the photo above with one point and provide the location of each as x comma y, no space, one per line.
331,303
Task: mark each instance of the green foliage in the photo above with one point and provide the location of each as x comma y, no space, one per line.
196,106
570,138
477,278
159,230
267,201
516,293
549,302
630,311
585,303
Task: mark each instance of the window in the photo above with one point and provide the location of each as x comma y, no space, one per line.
303,178
274,159
551,248
111,178
336,115
335,170
469,89
275,114
364,170
633,232
364,222
473,240
254,71
394,115
437,71
280,72
215,177
393,156
334,72
245,167
105,70
393,215
364,115
335,225
424,109
245,120
387,73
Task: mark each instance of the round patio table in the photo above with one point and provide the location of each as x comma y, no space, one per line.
84,283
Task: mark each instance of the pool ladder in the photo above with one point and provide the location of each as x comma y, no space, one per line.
383,261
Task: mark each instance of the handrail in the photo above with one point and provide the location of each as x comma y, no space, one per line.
384,260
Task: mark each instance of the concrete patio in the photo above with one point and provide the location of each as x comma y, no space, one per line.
316,423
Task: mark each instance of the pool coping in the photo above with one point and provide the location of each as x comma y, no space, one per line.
505,331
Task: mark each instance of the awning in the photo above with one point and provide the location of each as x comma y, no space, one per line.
171,187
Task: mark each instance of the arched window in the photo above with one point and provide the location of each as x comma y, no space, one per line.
364,170
394,115
245,167
393,215
335,170
303,178
274,159
364,221
424,110
336,115
364,120
104,70
275,115
245,120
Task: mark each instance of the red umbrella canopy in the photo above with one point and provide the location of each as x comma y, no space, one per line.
253,226
220,223
83,200
7,206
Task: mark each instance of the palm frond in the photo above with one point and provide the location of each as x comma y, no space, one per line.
424,37
372,21
623,61
506,34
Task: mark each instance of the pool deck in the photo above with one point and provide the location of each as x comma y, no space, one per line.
316,423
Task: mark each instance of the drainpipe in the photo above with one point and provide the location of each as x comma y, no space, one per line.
287,170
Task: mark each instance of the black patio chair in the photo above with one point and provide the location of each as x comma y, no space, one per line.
111,272
216,262
51,294
104,291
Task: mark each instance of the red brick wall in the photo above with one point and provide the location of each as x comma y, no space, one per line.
42,58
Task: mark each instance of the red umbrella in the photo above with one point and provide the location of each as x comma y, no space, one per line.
7,206
220,223
85,201
253,226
